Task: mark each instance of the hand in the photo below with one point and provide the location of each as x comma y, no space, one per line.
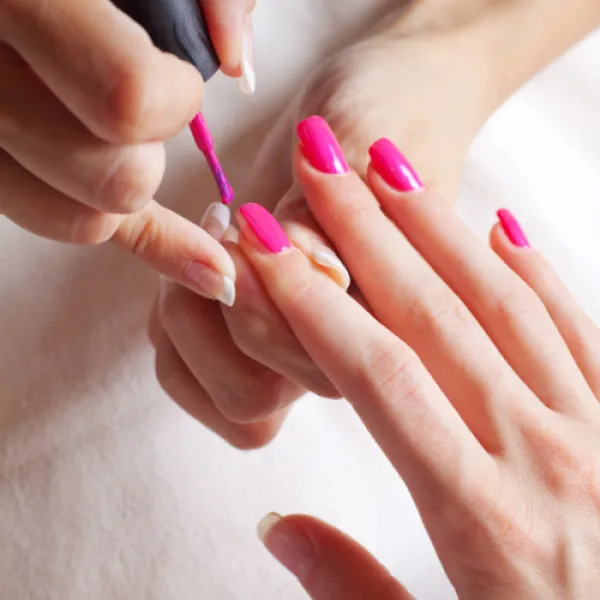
238,371
82,118
476,373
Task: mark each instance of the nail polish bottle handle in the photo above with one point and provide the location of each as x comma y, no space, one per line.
178,27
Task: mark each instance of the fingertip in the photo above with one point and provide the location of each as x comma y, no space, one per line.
226,22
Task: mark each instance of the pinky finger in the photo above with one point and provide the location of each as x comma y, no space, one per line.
327,563
579,331
178,382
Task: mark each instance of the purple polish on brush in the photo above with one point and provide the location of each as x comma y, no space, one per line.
205,144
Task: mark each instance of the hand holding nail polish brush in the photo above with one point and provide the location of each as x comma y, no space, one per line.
179,27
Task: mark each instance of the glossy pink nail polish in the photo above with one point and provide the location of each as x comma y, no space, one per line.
392,165
320,146
512,229
266,229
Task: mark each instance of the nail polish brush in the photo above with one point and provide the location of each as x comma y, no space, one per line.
178,27
204,141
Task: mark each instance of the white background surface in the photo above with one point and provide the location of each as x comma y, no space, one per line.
109,491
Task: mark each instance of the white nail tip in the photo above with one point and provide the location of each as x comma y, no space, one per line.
266,524
326,258
247,81
220,213
227,295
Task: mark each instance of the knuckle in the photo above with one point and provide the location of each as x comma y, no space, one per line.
132,180
306,290
570,472
253,337
428,313
518,301
143,232
127,102
392,372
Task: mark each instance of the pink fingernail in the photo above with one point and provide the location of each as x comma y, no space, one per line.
266,229
320,146
392,165
512,229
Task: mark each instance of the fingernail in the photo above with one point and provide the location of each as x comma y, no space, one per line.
216,220
320,146
287,543
512,229
247,81
210,283
331,263
392,165
231,235
265,228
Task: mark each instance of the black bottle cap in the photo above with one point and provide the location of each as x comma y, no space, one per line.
178,27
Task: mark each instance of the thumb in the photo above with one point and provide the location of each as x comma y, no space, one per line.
328,564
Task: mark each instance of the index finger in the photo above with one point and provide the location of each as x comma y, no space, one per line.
385,381
179,250
104,68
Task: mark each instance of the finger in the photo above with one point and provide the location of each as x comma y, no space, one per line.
179,250
230,26
35,206
104,68
161,238
293,214
262,334
255,324
200,335
46,139
164,240
383,379
329,564
407,296
578,330
179,383
508,310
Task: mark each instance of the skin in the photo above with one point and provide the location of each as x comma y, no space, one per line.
518,514
81,151
197,343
